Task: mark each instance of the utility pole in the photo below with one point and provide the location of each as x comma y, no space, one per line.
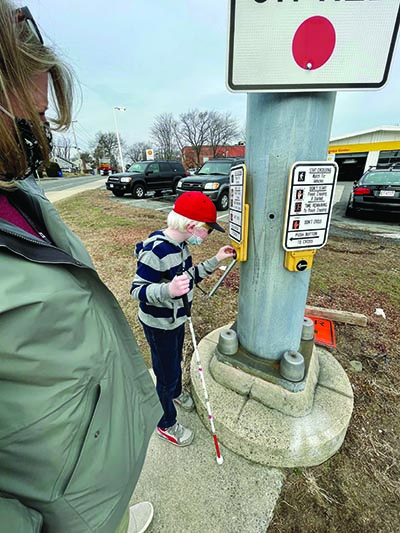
281,129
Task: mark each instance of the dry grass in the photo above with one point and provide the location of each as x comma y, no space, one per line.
358,489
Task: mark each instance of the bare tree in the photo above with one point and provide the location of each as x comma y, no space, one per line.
163,133
62,147
136,152
223,129
180,143
193,130
106,145
242,136
87,160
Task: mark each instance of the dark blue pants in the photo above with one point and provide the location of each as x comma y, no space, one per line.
166,355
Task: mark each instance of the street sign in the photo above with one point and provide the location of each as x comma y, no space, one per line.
310,45
309,204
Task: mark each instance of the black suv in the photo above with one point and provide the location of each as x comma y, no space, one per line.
145,176
212,179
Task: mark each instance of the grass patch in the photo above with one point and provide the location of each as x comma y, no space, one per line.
358,489
93,216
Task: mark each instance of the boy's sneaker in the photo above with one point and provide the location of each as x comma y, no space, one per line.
140,516
176,434
184,401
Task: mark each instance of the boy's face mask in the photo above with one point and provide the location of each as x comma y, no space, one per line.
30,144
194,240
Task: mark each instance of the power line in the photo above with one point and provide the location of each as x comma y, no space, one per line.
85,133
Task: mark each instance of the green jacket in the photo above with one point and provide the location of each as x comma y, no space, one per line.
77,404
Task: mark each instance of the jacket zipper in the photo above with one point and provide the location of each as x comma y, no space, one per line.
73,261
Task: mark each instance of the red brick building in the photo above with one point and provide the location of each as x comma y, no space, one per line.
207,152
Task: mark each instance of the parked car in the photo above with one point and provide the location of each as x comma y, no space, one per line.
212,179
145,176
377,191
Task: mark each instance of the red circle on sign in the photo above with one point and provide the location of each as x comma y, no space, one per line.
313,43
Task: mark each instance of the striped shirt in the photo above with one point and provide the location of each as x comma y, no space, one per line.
159,259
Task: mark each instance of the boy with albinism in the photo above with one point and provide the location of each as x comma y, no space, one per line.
165,272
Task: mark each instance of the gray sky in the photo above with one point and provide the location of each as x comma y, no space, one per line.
168,56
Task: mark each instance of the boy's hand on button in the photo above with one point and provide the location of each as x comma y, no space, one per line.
225,252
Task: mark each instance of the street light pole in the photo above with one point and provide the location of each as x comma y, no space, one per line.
119,108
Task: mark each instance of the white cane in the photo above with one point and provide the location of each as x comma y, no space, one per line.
186,305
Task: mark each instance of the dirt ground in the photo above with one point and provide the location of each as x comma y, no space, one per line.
358,489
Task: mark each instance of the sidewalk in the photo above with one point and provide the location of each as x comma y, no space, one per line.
67,193
191,493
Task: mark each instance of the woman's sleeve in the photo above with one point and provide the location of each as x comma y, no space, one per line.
16,518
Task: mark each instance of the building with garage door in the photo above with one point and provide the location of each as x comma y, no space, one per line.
356,152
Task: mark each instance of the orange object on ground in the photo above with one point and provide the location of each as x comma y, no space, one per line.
324,332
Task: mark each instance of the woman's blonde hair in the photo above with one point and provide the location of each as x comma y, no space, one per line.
23,56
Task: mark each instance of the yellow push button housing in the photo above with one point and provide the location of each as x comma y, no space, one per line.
299,260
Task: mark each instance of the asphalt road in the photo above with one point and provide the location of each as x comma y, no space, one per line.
62,184
366,227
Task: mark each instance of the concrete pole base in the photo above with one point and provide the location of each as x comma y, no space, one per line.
270,435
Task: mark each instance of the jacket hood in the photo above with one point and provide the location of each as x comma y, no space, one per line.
156,236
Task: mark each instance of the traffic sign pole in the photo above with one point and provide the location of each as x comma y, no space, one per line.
281,129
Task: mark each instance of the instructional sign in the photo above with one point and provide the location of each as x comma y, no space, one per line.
238,211
236,203
313,45
309,204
